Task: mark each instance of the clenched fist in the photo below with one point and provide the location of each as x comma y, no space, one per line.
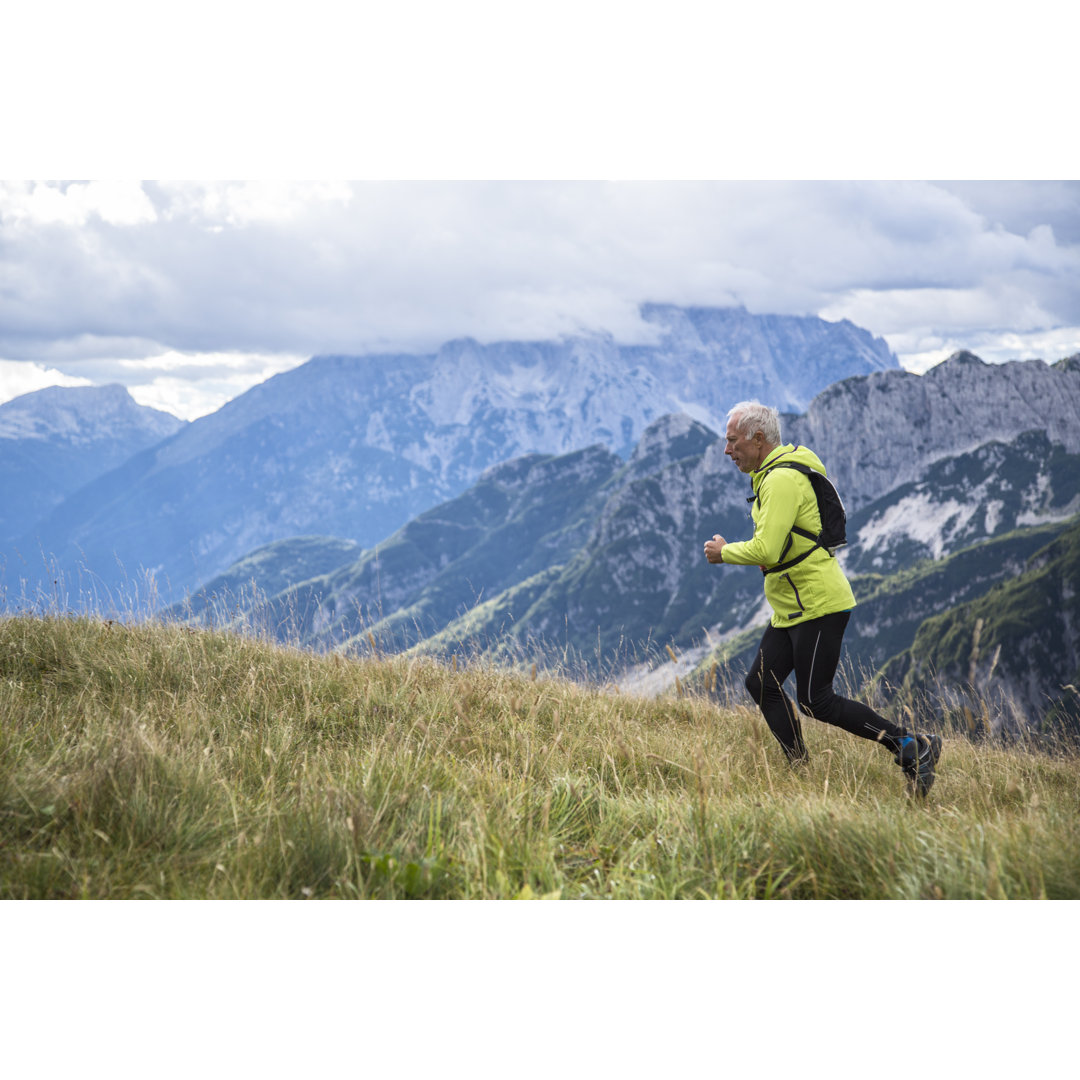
713,548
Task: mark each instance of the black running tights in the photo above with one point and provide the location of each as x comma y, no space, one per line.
812,650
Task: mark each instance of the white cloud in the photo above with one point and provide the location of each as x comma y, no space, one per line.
189,398
217,204
190,385
115,202
920,352
19,377
992,305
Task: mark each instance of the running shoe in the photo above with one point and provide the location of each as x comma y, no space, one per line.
917,756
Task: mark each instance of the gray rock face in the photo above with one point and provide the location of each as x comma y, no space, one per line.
964,499
877,432
779,359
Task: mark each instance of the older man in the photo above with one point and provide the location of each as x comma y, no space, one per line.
810,598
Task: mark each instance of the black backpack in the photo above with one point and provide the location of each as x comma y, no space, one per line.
833,535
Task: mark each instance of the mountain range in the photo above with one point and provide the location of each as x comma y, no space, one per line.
355,447
547,502
591,556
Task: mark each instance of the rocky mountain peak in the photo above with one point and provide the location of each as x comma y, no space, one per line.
358,446
80,415
962,356
671,438
55,440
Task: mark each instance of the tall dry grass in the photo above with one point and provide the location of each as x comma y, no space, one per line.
149,760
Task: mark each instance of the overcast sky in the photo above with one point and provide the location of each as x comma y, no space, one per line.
190,292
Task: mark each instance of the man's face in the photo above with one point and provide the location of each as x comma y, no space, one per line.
744,450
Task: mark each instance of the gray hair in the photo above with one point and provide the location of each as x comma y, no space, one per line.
753,417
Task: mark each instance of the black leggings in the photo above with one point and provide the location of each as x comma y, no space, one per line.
812,650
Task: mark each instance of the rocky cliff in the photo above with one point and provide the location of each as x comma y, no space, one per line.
882,430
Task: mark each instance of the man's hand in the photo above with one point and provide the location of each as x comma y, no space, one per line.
713,548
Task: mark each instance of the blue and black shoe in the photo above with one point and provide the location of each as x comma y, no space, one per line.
917,756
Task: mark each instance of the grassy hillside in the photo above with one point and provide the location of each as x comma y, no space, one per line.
892,608
518,519
157,761
267,571
1017,641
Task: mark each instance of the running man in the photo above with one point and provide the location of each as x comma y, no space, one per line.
811,601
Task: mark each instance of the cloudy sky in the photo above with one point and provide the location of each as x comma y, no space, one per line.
189,292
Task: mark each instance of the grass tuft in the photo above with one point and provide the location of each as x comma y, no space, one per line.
154,761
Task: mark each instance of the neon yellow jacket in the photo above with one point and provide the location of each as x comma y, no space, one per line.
816,586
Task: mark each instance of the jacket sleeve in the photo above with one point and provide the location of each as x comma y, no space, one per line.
779,498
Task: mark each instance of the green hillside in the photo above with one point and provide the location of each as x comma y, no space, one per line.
891,608
518,520
267,571
1016,644
151,761
896,612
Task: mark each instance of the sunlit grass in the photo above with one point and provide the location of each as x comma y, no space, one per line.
145,760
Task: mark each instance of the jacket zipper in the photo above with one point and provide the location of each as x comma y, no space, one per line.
798,598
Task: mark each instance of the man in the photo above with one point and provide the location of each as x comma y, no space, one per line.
811,601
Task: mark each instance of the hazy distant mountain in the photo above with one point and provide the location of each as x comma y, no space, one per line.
266,571
357,446
53,441
520,518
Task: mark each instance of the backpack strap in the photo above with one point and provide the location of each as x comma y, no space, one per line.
781,566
